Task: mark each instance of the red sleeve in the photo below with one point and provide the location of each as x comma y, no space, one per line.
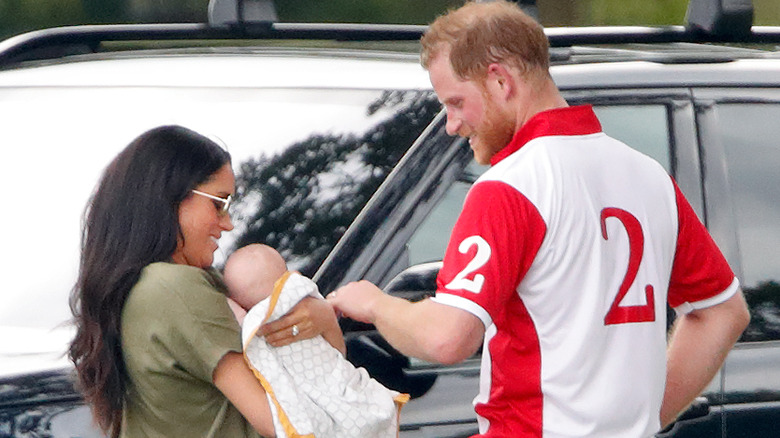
492,246
700,270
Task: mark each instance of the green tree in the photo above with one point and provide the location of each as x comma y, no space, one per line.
289,191
618,12
23,15
767,12
364,11
102,11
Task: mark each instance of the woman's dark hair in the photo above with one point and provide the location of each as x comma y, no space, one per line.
132,221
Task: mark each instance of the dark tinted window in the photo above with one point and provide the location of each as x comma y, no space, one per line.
751,137
301,200
643,127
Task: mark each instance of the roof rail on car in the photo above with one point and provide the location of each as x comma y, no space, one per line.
573,36
710,21
61,41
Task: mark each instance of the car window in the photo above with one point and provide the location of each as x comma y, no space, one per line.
306,161
750,133
429,241
643,127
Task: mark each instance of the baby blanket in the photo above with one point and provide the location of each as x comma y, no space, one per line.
313,390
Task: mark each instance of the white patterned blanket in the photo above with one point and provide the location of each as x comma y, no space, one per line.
313,390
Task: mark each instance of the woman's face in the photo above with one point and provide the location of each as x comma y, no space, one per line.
202,221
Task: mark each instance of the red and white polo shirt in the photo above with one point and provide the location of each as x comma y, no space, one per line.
568,249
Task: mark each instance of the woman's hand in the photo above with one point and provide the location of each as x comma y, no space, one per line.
309,318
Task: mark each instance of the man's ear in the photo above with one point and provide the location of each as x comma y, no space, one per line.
501,79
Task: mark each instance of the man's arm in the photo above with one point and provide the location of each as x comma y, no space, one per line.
699,344
427,330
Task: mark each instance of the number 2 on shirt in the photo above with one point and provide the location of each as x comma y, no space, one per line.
461,281
618,314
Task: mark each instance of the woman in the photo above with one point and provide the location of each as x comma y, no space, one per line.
157,349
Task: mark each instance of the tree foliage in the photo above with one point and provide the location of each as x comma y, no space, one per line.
302,200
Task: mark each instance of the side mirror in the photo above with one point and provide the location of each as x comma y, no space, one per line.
366,348
416,282
413,284
387,365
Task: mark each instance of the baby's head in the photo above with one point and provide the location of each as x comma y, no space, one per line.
250,273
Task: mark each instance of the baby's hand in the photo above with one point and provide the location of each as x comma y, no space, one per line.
238,311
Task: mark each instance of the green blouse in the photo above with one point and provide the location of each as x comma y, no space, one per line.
176,326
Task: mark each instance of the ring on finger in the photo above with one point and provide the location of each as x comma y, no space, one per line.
295,330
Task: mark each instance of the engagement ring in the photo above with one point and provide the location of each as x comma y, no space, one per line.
295,330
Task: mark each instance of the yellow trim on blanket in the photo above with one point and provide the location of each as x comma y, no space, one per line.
401,399
278,286
289,429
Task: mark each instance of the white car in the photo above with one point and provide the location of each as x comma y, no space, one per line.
343,164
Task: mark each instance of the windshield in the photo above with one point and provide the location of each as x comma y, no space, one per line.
306,161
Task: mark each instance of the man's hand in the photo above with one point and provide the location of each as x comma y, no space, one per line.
425,329
357,300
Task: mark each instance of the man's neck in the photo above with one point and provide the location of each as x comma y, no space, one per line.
541,95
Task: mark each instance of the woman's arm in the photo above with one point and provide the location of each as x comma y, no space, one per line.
313,317
234,379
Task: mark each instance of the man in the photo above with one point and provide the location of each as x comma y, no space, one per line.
564,257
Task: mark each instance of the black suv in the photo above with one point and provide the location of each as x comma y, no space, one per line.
343,164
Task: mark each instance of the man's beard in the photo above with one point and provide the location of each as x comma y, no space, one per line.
496,131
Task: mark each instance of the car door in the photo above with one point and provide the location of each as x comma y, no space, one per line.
411,240
741,137
307,157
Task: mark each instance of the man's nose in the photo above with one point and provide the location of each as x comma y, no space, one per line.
453,124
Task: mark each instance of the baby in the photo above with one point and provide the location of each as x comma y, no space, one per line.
311,387
250,275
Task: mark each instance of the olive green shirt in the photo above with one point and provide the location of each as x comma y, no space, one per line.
176,326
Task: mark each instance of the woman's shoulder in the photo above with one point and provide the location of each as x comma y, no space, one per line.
174,281
164,273
167,269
